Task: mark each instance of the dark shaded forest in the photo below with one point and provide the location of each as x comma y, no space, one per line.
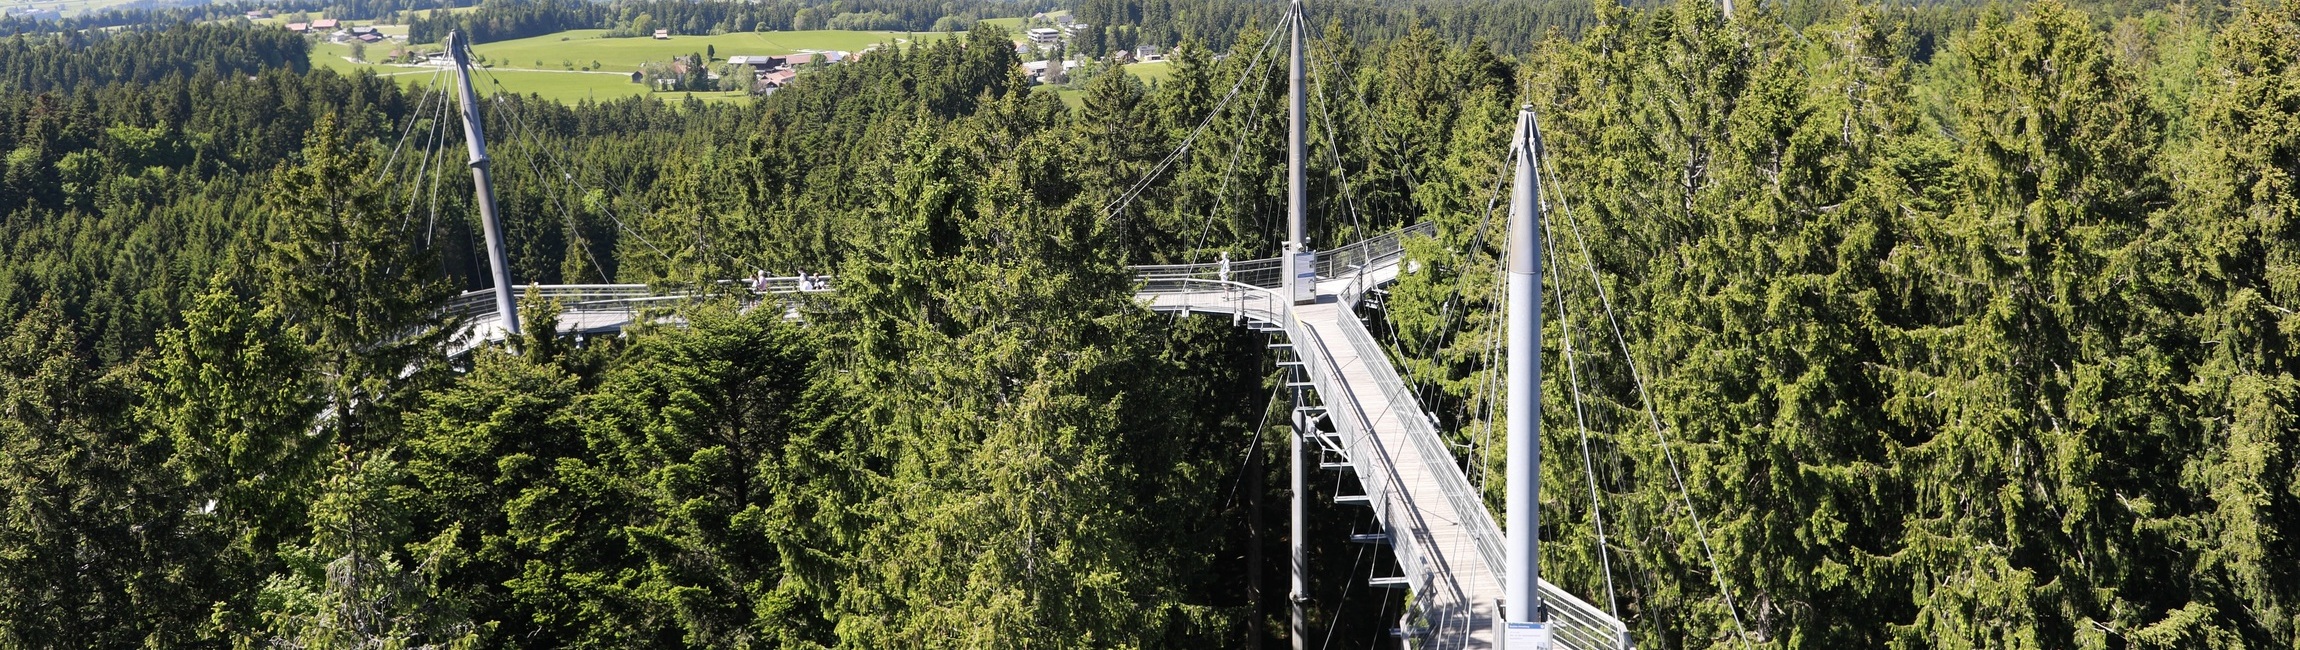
1968,332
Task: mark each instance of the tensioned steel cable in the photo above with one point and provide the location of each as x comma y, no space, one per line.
1581,420
1128,197
1645,398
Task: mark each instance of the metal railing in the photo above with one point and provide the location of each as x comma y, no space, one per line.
1451,482
1266,272
1213,296
1249,293
1269,272
1378,476
1370,252
473,304
1575,623
627,298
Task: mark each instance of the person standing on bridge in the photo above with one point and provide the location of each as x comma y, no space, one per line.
1222,273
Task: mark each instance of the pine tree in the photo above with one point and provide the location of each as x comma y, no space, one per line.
347,274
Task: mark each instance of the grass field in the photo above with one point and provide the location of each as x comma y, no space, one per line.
69,7
1150,73
512,65
555,85
583,46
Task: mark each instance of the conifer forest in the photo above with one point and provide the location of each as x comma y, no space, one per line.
1968,326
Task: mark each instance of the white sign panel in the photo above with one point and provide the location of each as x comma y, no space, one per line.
1305,276
1527,636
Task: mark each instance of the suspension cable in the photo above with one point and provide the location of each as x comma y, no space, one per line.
1345,600
620,226
413,116
427,155
438,167
1581,419
536,164
1222,193
1255,447
1127,198
1645,399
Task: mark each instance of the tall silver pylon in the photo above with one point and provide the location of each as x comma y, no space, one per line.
1298,625
476,138
1522,502
1300,264
1301,287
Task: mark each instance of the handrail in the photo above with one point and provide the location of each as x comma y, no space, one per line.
1266,308
1371,251
1453,484
1261,273
1380,480
613,297
1269,272
1577,624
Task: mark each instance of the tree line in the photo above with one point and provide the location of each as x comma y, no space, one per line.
141,16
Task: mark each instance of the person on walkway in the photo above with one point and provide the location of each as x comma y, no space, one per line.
1222,273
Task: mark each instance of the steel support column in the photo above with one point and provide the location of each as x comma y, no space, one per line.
475,137
1522,503
1297,172
1298,629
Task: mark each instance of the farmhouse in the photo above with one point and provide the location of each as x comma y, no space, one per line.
324,24
769,82
761,62
1036,70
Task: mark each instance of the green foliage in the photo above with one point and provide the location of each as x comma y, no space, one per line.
351,586
349,280
79,535
1970,339
231,397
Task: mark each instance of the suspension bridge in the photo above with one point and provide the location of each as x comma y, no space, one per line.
1470,584
1365,422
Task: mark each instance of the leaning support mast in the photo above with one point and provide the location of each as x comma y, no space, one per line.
1522,503
474,136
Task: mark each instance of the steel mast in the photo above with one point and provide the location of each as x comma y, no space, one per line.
490,223
1522,502
1302,287
1300,263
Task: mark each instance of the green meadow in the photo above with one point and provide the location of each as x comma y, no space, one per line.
68,7
539,65
584,46
556,85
